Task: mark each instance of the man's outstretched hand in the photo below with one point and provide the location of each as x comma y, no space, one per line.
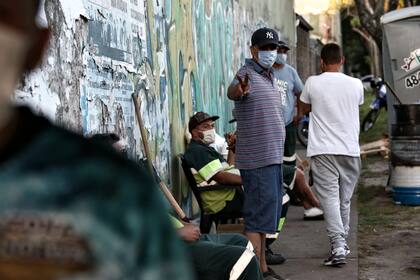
243,86
240,90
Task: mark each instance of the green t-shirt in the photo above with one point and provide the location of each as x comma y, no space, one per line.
68,202
205,162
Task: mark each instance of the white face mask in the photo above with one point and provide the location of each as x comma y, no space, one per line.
284,57
267,58
209,136
281,59
13,48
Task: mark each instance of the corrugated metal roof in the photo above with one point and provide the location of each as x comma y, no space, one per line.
400,14
303,22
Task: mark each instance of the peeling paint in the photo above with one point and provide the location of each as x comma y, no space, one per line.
179,56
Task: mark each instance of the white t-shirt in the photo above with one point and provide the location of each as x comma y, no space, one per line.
220,145
334,121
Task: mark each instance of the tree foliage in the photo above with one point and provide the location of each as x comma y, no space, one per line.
366,21
370,12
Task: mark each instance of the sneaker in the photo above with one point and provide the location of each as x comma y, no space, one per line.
346,250
336,258
313,213
271,275
273,259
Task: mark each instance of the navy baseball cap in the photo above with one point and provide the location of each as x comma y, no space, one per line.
264,36
283,45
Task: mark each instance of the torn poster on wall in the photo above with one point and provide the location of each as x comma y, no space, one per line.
116,50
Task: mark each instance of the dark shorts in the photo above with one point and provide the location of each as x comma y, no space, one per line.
289,175
290,144
263,198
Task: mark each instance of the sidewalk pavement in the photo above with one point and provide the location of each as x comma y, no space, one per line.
305,245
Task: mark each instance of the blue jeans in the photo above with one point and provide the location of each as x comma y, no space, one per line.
263,198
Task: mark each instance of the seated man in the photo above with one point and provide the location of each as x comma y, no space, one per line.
294,180
209,167
219,256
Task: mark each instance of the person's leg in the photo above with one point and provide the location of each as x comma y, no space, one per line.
263,263
255,239
232,239
251,181
290,145
214,260
262,206
252,271
276,173
271,257
349,174
304,192
326,183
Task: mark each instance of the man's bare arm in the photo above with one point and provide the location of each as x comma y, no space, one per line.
226,178
304,108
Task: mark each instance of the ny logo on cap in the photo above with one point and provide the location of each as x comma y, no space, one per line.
270,35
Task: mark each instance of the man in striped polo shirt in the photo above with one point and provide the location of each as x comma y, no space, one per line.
260,141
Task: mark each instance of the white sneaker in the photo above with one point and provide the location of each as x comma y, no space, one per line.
337,258
313,213
346,250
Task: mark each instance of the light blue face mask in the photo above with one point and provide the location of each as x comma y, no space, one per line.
281,58
267,58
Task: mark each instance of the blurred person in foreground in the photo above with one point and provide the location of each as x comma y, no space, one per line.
70,209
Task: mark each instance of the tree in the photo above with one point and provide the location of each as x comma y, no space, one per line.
369,14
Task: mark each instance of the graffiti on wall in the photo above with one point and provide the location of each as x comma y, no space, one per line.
113,58
179,56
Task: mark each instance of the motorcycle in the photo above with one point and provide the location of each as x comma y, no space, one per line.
375,107
303,129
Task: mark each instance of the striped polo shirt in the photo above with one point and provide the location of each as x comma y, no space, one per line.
260,123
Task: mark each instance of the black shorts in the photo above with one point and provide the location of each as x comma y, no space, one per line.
289,175
290,144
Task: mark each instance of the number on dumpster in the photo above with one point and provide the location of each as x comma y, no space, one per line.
413,80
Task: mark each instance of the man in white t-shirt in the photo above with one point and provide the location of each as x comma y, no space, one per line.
333,145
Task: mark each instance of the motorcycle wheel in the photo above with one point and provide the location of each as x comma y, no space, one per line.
370,120
302,133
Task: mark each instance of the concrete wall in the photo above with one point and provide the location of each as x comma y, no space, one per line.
303,53
308,54
179,56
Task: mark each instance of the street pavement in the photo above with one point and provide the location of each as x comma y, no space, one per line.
305,245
